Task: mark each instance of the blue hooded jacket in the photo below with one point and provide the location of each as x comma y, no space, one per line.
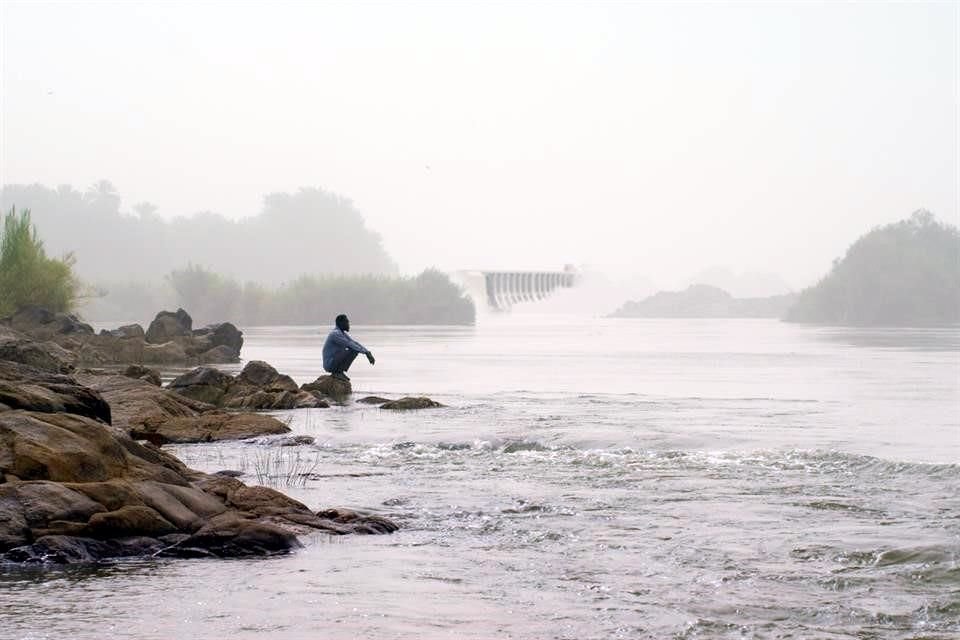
338,341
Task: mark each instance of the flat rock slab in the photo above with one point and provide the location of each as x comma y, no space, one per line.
158,415
31,389
210,427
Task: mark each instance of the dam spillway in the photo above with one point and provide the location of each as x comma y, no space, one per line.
500,290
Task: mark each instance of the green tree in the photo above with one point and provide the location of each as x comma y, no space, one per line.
906,273
27,275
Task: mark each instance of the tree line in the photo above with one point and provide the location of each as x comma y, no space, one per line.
29,277
308,231
906,273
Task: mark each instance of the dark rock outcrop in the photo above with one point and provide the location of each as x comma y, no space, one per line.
140,372
258,387
223,334
402,404
169,339
169,325
25,387
360,522
73,489
126,331
329,387
409,403
42,324
210,426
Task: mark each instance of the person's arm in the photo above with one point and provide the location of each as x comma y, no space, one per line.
343,340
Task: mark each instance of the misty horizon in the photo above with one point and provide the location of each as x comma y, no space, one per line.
649,140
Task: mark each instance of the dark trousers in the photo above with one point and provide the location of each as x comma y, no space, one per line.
342,361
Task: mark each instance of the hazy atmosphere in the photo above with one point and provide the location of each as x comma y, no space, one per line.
528,320
651,139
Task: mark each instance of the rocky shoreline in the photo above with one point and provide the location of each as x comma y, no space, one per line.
169,340
83,476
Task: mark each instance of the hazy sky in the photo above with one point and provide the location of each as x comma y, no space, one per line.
655,139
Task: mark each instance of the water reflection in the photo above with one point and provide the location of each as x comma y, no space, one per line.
907,339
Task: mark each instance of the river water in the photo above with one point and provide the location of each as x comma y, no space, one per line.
588,479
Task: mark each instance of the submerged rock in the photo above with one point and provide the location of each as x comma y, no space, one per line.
359,522
410,403
296,441
373,400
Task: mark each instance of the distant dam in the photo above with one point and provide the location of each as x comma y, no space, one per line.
500,290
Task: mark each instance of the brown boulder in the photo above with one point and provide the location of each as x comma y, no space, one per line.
134,520
44,502
205,384
330,387
359,522
140,372
46,356
168,325
223,334
410,403
23,387
218,355
210,426
231,535
43,324
164,353
258,387
137,404
125,331
60,447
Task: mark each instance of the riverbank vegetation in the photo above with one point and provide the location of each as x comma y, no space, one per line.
133,260
901,274
27,275
309,230
429,298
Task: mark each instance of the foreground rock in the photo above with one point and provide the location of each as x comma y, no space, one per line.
46,356
25,387
259,386
158,415
75,490
170,339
